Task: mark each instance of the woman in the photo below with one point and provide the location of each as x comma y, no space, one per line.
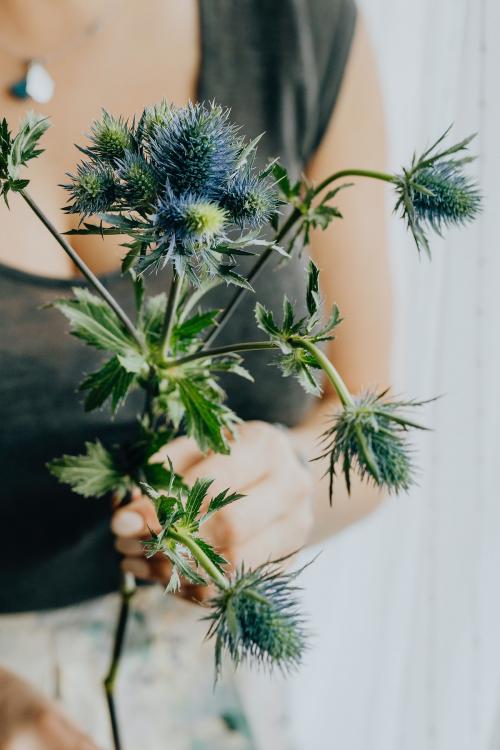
303,72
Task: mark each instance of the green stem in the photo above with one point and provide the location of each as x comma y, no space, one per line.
354,173
218,351
223,318
168,320
292,219
127,592
329,370
201,558
85,270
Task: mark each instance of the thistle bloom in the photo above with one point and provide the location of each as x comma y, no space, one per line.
138,182
257,617
92,189
370,436
436,193
189,227
196,150
249,200
111,137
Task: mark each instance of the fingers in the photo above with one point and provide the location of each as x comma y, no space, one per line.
183,452
263,504
257,447
286,535
136,520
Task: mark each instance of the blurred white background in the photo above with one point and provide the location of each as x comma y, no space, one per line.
406,606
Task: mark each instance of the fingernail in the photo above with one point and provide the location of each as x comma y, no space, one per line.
138,568
127,523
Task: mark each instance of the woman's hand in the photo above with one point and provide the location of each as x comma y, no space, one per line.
28,721
273,520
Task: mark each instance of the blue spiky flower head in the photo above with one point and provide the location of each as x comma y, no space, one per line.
195,150
435,192
249,200
92,190
257,617
188,227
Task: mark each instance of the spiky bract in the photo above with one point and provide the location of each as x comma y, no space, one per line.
258,617
369,437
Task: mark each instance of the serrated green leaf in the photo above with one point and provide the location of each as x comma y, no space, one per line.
205,418
312,295
195,498
93,321
92,474
212,554
111,381
220,501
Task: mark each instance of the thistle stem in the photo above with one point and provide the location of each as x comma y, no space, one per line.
384,176
329,370
292,219
200,557
89,275
127,592
218,351
223,318
168,320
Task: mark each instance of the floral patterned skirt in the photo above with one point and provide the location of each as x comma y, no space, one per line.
165,695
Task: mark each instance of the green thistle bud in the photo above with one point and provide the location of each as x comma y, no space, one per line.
257,616
369,436
111,138
139,182
153,117
92,190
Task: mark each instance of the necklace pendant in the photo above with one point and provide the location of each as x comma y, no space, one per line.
37,84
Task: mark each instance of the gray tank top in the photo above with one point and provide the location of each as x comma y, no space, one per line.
278,66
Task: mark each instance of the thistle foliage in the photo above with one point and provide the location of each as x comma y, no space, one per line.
181,186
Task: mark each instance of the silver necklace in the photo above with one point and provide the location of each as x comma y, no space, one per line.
37,84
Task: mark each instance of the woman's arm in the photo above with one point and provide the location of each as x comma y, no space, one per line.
276,517
353,257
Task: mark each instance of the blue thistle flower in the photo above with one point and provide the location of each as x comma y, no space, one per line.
196,150
370,436
188,227
249,200
92,190
139,187
110,137
258,617
435,192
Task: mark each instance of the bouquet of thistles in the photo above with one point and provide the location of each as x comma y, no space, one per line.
181,186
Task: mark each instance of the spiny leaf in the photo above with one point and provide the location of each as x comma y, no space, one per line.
92,474
93,321
220,501
111,381
195,498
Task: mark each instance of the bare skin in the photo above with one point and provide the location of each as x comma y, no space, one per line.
287,505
